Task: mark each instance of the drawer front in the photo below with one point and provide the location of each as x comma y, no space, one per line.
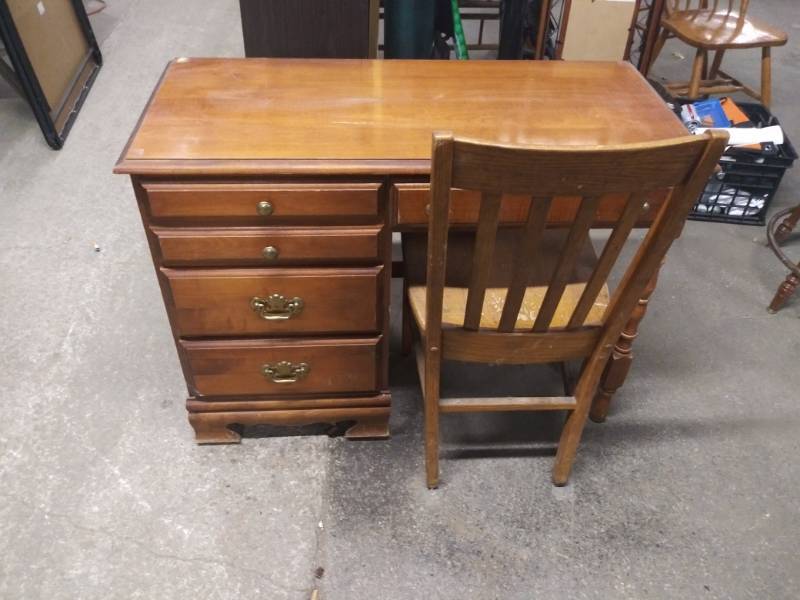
268,246
216,302
262,203
412,202
283,367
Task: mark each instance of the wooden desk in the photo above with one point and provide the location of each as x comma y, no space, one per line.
268,190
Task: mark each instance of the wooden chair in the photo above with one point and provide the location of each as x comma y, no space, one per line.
718,25
559,322
779,228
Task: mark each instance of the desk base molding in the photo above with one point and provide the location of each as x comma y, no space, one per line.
221,422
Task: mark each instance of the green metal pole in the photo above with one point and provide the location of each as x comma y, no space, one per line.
458,33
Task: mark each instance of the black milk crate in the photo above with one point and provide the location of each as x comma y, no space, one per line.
743,190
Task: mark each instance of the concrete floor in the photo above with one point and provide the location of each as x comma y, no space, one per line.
689,490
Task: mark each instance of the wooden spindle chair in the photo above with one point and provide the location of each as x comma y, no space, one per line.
718,25
552,324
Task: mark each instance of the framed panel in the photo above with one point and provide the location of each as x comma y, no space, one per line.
55,57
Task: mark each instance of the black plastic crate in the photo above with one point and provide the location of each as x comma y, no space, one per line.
743,190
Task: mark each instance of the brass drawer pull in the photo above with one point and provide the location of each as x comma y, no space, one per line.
285,372
276,307
264,208
270,253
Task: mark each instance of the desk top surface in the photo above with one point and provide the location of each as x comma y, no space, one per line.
292,116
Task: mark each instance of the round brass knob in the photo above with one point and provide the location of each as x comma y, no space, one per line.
270,252
646,206
264,208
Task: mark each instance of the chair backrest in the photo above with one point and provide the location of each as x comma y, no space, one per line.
681,165
715,6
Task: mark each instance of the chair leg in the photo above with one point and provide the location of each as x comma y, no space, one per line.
785,291
431,399
787,225
570,438
704,70
659,46
766,76
616,371
712,74
697,74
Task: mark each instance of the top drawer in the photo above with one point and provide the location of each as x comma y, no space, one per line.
412,201
263,202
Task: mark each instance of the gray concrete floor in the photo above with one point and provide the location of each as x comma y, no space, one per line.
689,490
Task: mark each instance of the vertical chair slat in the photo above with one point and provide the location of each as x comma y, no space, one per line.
607,259
523,262
566,263
482,258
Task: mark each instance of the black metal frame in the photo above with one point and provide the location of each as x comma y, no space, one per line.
643,33
29,82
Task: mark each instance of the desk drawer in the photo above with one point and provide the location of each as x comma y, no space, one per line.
216,302
268,245
283,367
412,200
263,203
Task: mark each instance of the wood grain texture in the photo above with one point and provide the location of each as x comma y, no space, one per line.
640,272
324,141
722,29
515,348
245,403
564,171
233,367
506,404
288,201
568,258
524,264
284,116
429,358
224,427
608,258
455,301
481,260
412,201
680,165
213,302
621,359
215,246
718,26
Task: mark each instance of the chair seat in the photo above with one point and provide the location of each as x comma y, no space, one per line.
715,30
455,303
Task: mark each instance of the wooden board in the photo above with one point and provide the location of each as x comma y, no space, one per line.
285,116
54,41
597,29
54,58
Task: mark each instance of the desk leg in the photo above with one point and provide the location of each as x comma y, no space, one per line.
621,358
785,291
